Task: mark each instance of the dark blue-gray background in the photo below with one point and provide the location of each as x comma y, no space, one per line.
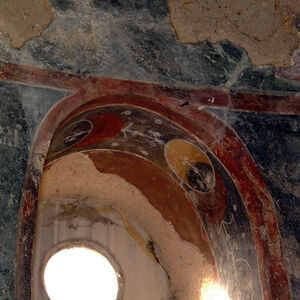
130,39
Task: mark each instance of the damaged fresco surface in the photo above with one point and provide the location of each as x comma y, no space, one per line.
134,40
131,130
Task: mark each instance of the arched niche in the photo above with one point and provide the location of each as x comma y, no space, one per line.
203,143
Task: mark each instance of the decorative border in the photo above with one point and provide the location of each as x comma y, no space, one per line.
186,108
200,97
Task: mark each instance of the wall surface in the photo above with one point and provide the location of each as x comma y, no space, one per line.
135,40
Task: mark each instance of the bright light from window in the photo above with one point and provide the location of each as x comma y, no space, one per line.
80,273
211,291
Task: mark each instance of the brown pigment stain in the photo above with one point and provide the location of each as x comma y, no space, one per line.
75,177
24,20
162,191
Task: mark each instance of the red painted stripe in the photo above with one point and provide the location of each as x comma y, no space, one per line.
224,143
200,97
221,140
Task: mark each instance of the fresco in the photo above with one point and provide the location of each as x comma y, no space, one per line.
273,142
130,129
237,131
134,40
149,131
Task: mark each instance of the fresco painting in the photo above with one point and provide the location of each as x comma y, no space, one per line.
192,167
143,135
175,151
169,147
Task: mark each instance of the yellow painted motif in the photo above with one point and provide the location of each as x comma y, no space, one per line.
182,155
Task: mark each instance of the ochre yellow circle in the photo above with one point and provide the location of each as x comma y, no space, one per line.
181,155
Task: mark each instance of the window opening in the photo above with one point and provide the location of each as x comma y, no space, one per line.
80,273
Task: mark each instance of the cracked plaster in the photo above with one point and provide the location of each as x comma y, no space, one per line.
26,20
260,27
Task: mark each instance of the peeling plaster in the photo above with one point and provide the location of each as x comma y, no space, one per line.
75,176
260,27
24,20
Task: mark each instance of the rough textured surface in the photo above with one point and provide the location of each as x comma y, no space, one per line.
292,72
134,40
213,133
26,20
153,137
281,130
75,175
274,142
14,144
259,27
106,227
21,111
290,7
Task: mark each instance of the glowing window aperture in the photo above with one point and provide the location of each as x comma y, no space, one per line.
80,273
211,291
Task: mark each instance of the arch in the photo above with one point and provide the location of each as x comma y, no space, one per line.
219,139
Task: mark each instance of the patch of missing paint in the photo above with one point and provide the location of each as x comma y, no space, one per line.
78,209
75,176
24,20
260,27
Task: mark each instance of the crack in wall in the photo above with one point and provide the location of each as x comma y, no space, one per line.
260,27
